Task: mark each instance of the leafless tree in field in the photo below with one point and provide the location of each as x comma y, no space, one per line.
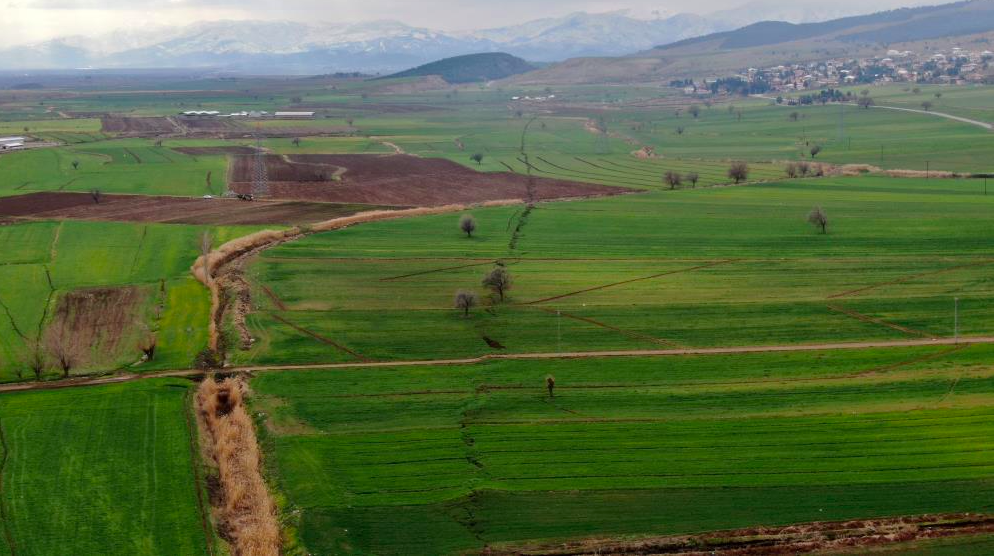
296,141
147,345
738,171
95,194
819,219
75,165
693,178
672,179
498,280
803,168
865,102
349,121
695,111
791,170
927,105
465,300
467,224
794,116
815,150
680,129
63,348
938,95
550,384
36,359
477,158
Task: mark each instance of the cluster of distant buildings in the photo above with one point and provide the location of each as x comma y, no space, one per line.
11,143
957,66
250,114
533,99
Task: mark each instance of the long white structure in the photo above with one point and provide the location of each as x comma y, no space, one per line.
8,143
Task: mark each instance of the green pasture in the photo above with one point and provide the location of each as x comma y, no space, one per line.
103,470
119,166
666,269
440,460
42,261
971,101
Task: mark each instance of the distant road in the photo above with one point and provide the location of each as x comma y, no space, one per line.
978,123
26,386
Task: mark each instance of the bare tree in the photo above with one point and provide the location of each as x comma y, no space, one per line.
865,102
75,165
927,105
296,141
819,219
738,171
917,90
672,179
803,168
477,158
695,111
147,345
794,116
95,194
791,170
680,129
938,95
467,224
693,178
550,384
63,348
498,280
349,121
815,150
465,300
36,359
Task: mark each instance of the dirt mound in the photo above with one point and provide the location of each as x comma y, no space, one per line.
138,126
400,180
645,153
171,210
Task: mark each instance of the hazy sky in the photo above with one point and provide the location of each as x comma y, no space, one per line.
24,21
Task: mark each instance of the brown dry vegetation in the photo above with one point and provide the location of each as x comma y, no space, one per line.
399,180
173,210
138,126
244,512
96,325
806,538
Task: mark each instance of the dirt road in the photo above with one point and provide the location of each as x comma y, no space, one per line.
978,123
508,356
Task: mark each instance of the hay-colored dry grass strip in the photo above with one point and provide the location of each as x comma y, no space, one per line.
244,512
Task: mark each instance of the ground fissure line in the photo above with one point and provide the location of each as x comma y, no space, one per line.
910,277
319,337
628,333
624,282
873,320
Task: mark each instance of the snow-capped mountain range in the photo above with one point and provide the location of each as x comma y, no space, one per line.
386,46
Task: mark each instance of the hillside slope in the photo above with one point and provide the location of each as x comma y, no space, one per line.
471,68
773,42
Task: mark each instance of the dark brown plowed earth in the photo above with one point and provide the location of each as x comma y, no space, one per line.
209,151
399,180
178,210
137,125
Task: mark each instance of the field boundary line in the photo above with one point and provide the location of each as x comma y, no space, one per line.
274,298
433,271
624,282
195,461
873,320
910,277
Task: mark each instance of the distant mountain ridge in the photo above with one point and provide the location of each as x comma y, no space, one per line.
471,68
377,46
777,42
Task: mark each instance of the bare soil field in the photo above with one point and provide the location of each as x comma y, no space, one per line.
176,210
138,126
211,151
400,180
96,323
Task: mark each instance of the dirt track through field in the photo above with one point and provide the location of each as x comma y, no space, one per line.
873,320
319,338
677,352
633,280
629,333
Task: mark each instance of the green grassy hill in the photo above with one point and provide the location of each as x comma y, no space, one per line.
472,68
